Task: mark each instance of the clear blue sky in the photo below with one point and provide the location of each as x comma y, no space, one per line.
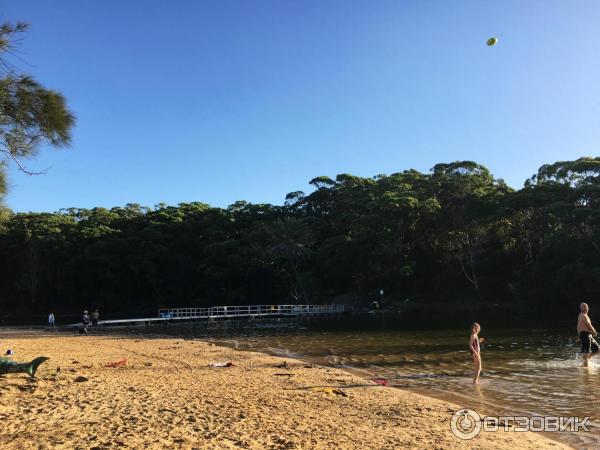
218,101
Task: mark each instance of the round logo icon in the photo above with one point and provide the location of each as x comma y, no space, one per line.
465,424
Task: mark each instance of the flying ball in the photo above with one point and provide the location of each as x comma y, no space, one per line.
492,41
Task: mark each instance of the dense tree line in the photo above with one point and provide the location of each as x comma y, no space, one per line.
453,235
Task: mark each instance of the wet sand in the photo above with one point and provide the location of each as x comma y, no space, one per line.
167,396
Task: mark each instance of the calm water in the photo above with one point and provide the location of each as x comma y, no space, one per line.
533,372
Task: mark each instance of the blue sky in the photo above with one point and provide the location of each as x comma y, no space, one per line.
218,101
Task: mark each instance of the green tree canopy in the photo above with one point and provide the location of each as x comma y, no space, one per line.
30,114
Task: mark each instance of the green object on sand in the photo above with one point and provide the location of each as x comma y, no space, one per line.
9,366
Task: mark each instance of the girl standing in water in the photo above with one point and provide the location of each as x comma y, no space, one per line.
475,351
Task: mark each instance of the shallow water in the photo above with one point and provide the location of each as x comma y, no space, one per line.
533,372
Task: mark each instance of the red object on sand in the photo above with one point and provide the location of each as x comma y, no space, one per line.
116,364
381,381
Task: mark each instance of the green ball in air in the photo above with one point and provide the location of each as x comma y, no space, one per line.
492,41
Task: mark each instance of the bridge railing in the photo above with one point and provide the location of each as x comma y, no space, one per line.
249,310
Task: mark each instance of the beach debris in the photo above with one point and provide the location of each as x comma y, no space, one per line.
27,388
57,369
221,364
283,374
337,380
283,366
9,366
80,379
381,381
120,363
331,391
9,352
308,366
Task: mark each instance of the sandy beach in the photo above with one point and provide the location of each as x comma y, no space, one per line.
167,396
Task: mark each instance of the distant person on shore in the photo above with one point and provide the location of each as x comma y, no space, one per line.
85,320
95,317
586,334
51,320
475,347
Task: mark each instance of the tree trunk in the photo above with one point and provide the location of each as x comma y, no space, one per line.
298,280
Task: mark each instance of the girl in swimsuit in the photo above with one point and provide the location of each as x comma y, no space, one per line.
475,351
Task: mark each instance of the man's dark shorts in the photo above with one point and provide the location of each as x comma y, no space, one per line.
588,342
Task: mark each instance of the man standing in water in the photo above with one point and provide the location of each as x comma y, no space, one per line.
586,334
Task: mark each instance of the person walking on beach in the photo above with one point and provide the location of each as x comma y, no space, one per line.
587,333
51,320
474,346
95,317
85,320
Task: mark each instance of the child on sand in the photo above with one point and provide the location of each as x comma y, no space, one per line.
475,351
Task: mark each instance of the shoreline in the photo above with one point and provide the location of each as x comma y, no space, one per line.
449,397
166,396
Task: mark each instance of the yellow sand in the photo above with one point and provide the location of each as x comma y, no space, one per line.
167,397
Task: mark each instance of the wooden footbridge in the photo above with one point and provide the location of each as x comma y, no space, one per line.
226,312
